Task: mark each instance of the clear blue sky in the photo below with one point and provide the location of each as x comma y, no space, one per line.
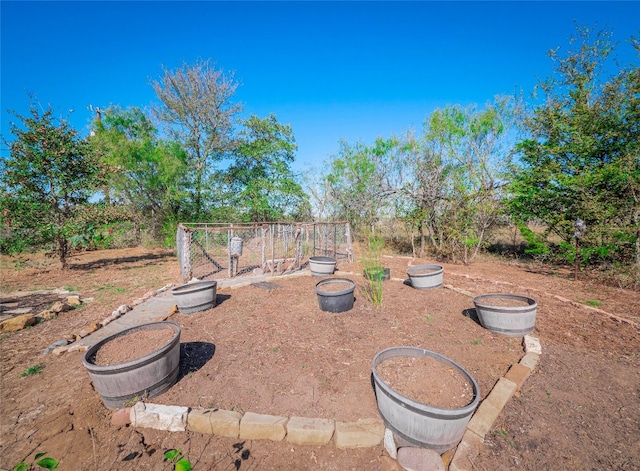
332,70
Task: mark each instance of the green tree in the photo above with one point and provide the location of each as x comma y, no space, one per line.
199,111
146,173
581,158
261,182
358,178
46,184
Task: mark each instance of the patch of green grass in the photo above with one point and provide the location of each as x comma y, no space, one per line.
592,302
275,350
477,342
428,319
32,370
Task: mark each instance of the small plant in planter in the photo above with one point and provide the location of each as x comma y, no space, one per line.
374,272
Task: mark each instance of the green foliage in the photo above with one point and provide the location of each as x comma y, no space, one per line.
146,174
32,370
46,184
45,463
580,158
180,463
261,185
373,269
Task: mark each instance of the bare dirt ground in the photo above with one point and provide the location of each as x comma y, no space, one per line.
269,349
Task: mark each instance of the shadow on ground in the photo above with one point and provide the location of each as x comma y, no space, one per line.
193,356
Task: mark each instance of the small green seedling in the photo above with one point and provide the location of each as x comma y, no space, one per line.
180,463
46,463
477,341
32,370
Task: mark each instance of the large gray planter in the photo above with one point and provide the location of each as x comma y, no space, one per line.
420,424
143,377
495,313
194,297
426,276
322,266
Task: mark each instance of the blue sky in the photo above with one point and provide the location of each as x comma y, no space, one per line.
332,70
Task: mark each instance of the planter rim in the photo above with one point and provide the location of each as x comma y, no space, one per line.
482,301
195,286
415,352
350,289
321,259
427,266
111,368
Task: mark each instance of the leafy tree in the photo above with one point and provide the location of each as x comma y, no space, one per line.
46,184
146,173
581,158
199,111
260,179
359,182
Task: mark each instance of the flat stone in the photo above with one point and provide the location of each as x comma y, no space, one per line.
200,421
76,347
60,306
54,345
518,374
530,360
159,417
19,310
73,300
18,322
261,426
60,350
362,433
482,420
4,317
420,459
390,444
501,393
468,449
306,431
123,309
532,344
226,423
137,301
47,315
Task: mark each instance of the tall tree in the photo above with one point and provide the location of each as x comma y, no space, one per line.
199,111
46,183
581,159
146,173
261,182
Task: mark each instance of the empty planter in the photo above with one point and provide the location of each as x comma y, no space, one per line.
322,266
425,276
145,376
194,297
419,424
508,314
335,294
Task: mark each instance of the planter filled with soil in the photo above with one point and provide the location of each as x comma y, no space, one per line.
322,266
335,294
508,314
426,276
194,297
141,362
425,398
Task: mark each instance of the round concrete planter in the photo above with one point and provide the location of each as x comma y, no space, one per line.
147,376
426,276
194,297
507,314
322,266
416,423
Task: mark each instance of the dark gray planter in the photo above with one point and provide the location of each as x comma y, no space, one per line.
335,300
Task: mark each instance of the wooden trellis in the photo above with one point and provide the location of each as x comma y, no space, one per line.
214,250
